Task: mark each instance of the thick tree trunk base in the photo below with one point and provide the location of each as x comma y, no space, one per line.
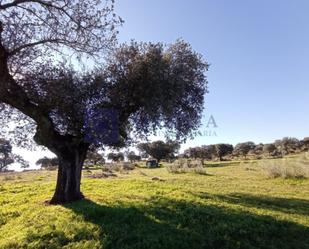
60,200
69,176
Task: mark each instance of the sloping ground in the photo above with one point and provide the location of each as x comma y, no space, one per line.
235,206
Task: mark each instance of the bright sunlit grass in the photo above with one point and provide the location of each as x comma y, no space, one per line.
234,206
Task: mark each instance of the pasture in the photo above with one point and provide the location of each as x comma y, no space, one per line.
235,205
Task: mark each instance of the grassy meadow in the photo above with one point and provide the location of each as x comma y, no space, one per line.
235,205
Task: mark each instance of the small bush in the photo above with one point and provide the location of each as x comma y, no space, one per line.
288,168
187,166
123,166
102,175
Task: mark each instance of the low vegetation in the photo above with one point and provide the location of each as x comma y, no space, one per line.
187,166
120,166
230,207
287,167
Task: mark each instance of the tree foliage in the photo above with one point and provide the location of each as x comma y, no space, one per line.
223,150
132,157
116,157
94,157
305,142
7,157
269,148
134,89
205,152
32,30
287,145
244,148
159,149
5,154
48,163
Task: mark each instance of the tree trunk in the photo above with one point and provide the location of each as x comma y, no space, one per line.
69,176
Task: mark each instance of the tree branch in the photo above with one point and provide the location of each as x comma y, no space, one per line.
17,50
13,4
13,94
17,2
43,3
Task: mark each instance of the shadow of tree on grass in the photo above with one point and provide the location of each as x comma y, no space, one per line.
220,164
164,223
290,206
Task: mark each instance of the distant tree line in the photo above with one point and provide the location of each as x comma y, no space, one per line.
168,151
279,148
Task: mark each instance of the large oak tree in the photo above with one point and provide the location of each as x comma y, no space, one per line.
132,91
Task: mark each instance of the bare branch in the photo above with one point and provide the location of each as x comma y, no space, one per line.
39,28
25,46
18,2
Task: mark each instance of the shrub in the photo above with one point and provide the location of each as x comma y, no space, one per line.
102,175
122,166
288,168
187,166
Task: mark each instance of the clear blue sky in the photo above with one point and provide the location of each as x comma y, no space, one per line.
259,56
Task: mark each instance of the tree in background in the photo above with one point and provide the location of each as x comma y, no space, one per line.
21,161
208,152
242,149
139,87
116,157
269,149
7,157
205,152
48,163
5,154
305,142
223,150
94,157
288,145
258,150
159,149
194,152
132,157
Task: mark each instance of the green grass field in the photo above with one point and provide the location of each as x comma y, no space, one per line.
234,206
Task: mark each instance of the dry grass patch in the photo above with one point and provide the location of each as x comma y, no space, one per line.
287,168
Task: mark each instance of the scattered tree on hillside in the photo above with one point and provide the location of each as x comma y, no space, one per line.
258,150
209,152
269,148
192,152
139,87
242,149
159,149
223,150
48,163
116,157
305,142
132,157
288,145
205,152
94,157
